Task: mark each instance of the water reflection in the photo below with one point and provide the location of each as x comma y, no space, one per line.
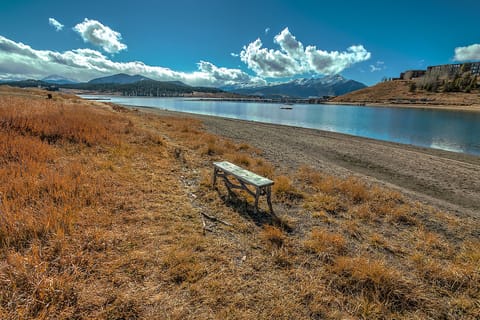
447,130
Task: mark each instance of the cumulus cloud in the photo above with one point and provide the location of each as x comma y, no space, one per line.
223,75
295,59
267,30
467,53
20,61
100,35
54,23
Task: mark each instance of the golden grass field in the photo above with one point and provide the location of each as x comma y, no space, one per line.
100,218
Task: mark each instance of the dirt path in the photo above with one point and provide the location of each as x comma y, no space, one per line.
446,180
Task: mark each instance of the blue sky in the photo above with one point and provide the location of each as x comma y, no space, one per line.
215,42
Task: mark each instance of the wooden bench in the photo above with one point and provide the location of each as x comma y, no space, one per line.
245,178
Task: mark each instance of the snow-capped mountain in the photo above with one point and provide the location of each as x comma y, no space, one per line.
334,85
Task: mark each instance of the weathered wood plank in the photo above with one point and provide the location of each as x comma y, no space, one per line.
243,174
262,185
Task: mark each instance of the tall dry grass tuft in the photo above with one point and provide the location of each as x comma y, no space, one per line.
273,235
309,176
332,204
263,168
354,189
284,190
377,282
182,265
326,244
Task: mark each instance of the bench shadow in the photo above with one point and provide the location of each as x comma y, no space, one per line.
247,211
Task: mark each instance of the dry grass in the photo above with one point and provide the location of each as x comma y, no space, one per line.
391,91
284,190
375,281
325,243
100,218
273,235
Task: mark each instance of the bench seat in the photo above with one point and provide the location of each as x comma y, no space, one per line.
245,178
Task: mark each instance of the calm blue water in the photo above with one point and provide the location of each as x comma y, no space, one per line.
446,130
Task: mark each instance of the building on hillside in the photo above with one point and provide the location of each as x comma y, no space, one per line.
475,68
442,71
412,74
453,69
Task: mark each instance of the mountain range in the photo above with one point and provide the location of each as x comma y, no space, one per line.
139,85
56,79
301,88
121,78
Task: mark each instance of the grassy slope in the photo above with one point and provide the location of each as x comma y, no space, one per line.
100,210
386,92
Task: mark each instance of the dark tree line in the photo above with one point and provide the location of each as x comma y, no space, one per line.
146,88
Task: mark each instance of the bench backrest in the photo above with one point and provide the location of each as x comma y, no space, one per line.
243,174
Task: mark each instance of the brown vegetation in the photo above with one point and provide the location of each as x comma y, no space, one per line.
100,217
408,92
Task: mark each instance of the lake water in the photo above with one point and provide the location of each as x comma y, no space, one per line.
440,129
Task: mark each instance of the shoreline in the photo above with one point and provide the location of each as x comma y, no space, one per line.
446,180
445,107
307,128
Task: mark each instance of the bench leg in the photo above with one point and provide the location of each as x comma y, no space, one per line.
214,179
269,198
257,196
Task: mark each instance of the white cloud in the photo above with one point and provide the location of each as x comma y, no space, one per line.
268,63
54,23
378,66
100,35
467,53
294,59
20,61
290,44
267,30
233,54
223,75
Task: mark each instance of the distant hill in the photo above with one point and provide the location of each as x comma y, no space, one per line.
178,83
303,88
144,87
121,78
406,92
29,83
56,79
122,83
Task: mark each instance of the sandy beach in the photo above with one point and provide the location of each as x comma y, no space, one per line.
446,180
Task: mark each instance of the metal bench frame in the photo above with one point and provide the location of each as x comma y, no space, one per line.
245,178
